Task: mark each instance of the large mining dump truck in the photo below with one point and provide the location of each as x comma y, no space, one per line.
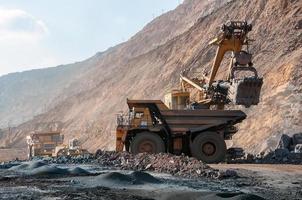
152,127
193,120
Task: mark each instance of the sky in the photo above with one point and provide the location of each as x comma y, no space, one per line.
37,34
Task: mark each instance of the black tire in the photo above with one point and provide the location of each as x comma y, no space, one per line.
297,138
208,147
147,142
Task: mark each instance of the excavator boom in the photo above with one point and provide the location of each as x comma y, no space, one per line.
240,91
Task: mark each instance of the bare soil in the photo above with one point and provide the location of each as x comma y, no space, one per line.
253,182
261,168
275,180
10,154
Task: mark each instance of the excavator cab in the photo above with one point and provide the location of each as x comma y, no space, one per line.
177,100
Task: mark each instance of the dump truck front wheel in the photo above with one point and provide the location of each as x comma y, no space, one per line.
209,147
147,142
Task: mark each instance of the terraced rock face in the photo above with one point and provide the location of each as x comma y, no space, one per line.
85,100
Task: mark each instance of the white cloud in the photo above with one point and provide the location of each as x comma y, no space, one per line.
16,24
23,42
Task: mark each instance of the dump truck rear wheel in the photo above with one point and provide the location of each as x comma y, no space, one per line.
209,147
147,142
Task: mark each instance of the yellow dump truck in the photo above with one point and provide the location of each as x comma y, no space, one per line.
51,144
43,143
150,126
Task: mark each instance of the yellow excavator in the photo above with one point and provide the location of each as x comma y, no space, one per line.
197,128
233,37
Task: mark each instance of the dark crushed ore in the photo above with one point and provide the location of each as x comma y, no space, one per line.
133,178
182,166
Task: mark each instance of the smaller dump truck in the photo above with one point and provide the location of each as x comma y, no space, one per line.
150,126
43,143
51,144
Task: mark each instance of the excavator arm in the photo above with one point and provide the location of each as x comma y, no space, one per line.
224,45
231,38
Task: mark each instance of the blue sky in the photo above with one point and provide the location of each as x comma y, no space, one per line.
36,34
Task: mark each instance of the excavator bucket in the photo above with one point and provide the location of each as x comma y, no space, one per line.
245,91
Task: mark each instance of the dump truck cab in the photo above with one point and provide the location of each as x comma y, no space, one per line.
150,126
140,118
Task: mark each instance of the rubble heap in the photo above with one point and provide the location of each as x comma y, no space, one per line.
182,166
288,151
281,156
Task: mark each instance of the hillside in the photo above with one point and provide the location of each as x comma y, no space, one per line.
83,98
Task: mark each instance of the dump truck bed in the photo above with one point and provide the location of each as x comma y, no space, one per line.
197,120
190,120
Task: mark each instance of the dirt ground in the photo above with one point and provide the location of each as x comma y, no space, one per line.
253,182
262,168
280,181
10,154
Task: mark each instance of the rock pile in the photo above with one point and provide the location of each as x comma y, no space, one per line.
288,151
9,164
182,166
134,178
41,168
81,159
281,156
